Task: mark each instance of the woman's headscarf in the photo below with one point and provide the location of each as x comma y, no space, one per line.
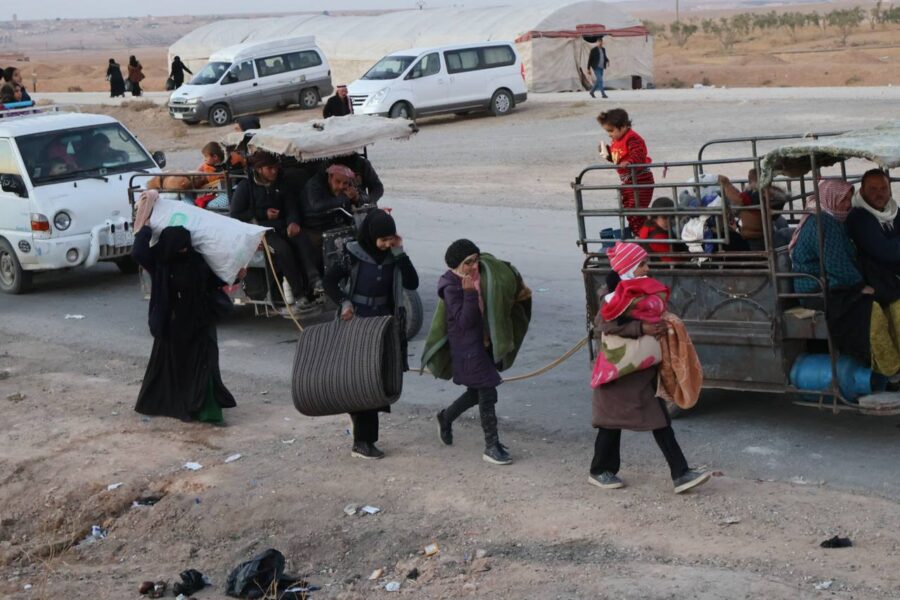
377,224
834,199
172,242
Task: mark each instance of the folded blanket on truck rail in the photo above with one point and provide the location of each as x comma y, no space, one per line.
227,244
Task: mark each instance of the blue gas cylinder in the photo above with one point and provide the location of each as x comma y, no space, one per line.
813,372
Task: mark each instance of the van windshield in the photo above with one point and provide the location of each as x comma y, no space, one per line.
210,74
389,67
73,154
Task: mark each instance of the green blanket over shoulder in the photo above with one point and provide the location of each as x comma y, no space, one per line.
507,310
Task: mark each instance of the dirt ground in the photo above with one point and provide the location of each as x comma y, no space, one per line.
543,530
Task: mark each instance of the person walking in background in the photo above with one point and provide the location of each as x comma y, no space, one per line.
176,74
135,75
339,104
598,61
115,79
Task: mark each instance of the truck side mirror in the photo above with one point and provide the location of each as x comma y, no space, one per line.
13,184
159,157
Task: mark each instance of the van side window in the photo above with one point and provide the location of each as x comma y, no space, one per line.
430,64
8,163
302,60
459,61
498,56
272,65
239,72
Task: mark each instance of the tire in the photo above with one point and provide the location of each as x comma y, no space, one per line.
401,110
309,98
502,103
415,314
127,265
219,115
13,278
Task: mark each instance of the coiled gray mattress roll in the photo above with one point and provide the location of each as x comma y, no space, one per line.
347,366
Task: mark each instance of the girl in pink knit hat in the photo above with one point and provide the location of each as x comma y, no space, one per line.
632,309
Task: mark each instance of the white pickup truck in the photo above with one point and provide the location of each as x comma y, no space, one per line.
64,180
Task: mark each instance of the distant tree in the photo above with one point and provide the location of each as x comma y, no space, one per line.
725,32
846,20
763,21
742,23
891,15
681,32
875,14
655,29
707,26
792,21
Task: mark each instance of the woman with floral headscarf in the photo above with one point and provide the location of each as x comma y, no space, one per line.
850,301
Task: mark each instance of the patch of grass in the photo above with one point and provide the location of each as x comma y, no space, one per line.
766,82
75,88
853,79
139,105
675,83
706,81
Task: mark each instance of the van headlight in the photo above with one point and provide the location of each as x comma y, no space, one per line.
378,97
192,101
62,220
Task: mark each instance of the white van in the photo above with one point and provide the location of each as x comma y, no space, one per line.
252,77
445,79
64,192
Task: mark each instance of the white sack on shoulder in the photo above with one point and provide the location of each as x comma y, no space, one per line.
227,244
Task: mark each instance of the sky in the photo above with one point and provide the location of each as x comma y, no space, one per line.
50,9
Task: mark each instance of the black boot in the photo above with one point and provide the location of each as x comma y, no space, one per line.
494,451
445,429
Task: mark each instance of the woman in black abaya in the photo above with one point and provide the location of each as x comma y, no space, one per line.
115,79
182,379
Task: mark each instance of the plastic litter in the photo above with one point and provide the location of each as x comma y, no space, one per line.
26,587
232,458
193,466
481,553
16,397
74,317
730,521
192,581
146,501
392,586
837,542
413,574
290,441
825,585
97,533
371,510
432,549
351,509
114,486
376,574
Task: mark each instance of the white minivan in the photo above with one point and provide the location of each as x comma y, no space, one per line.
64,181
251,77
445,79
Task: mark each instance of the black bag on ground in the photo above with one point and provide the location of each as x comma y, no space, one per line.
348,366
170,84
252,579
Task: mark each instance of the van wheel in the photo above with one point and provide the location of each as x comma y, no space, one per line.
127,265
309,98
219,115
401,110
13,279
502,103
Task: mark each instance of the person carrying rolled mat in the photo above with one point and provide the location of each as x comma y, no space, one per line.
377,271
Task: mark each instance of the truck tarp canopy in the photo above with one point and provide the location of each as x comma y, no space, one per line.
880,145
550,36
325,138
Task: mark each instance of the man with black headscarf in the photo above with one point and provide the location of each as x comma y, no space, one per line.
377,271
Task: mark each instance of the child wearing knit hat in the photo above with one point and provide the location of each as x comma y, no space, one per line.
633,309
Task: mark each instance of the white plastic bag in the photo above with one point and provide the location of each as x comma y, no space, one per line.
227,244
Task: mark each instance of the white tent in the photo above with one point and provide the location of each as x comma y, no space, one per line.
549,36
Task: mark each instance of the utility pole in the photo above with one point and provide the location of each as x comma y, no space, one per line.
677,13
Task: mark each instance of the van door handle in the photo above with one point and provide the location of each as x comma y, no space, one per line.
255,84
